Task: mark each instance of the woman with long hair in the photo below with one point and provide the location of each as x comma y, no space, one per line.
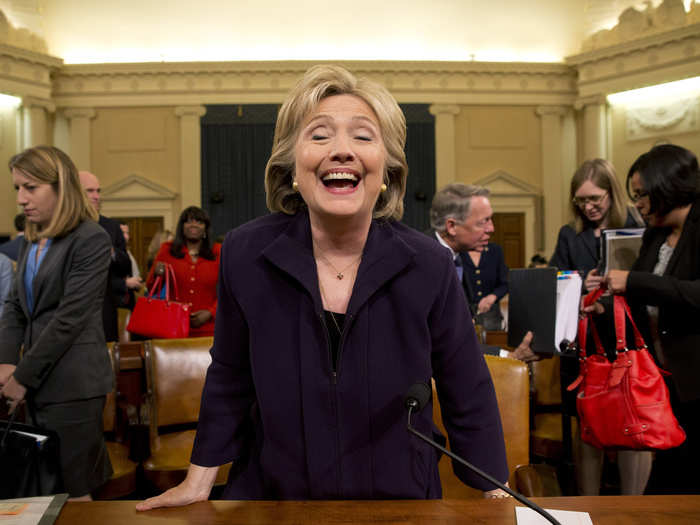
597,202
195,260
53,353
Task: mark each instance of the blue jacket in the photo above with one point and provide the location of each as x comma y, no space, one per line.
298,431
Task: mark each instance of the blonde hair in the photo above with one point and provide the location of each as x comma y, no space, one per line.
49,165
601,173
318,83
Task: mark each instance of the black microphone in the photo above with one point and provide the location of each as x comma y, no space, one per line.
415,399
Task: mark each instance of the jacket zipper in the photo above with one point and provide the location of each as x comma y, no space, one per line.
334,381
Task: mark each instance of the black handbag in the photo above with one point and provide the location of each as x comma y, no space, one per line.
29,460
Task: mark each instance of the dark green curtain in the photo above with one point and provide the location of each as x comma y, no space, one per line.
236,143
420,155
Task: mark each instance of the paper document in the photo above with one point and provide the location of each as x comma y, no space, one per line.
526,516
568,299
41,510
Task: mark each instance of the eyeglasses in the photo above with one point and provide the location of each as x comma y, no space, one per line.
595,200
639,195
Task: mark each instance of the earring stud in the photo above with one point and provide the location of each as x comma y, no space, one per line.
295,186
383,188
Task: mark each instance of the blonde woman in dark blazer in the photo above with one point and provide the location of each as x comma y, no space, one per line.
54,311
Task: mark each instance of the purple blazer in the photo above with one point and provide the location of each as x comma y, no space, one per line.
294,429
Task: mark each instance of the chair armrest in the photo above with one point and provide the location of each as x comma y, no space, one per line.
535,481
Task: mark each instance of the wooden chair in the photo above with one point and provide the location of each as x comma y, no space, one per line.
123,480
123,315
175,373
511,381
550,431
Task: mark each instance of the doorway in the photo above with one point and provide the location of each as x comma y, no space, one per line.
141,230
510,235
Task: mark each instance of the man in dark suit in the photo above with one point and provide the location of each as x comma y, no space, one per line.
121,264
11,248
461,219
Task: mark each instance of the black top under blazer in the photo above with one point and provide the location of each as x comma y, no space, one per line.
677,294
65,357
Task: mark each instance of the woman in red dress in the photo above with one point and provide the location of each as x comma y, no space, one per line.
196,264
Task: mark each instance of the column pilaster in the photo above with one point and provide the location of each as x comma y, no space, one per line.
190,154
34,120
595,126
80,145
552,176
445,146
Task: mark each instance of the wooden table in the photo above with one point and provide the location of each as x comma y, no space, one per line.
604,510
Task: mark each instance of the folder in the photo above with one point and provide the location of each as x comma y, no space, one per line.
619,248
545,302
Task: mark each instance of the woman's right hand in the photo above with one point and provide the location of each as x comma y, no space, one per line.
593,280
196,487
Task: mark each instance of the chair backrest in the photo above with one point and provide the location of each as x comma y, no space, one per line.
175,373
512,384
123,315
109,414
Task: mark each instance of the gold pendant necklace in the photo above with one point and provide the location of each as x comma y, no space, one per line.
339,274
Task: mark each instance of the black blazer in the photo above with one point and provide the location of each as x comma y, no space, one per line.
677,294
119,269
65,356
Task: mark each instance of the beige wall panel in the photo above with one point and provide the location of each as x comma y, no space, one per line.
143,141
8,147
492,138
625,152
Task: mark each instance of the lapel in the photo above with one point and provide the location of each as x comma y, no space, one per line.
21,270
588,238
50,268
384,256
687,239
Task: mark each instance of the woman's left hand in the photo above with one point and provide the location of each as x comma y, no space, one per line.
14,393
497,493
199,317
617,280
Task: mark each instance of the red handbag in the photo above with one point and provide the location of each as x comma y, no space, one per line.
624,403
160,318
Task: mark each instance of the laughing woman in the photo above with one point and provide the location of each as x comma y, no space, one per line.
54,310
329,310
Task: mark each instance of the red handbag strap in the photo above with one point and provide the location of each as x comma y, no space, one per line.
170,271
622,311
160,281
156,286
591,298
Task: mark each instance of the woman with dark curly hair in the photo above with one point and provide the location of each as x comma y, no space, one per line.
195,260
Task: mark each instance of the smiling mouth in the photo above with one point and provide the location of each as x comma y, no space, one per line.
340,180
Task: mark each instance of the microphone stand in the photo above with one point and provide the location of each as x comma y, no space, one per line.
412,403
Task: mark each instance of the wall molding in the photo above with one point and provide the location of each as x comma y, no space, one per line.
25,73
189,83
658,58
